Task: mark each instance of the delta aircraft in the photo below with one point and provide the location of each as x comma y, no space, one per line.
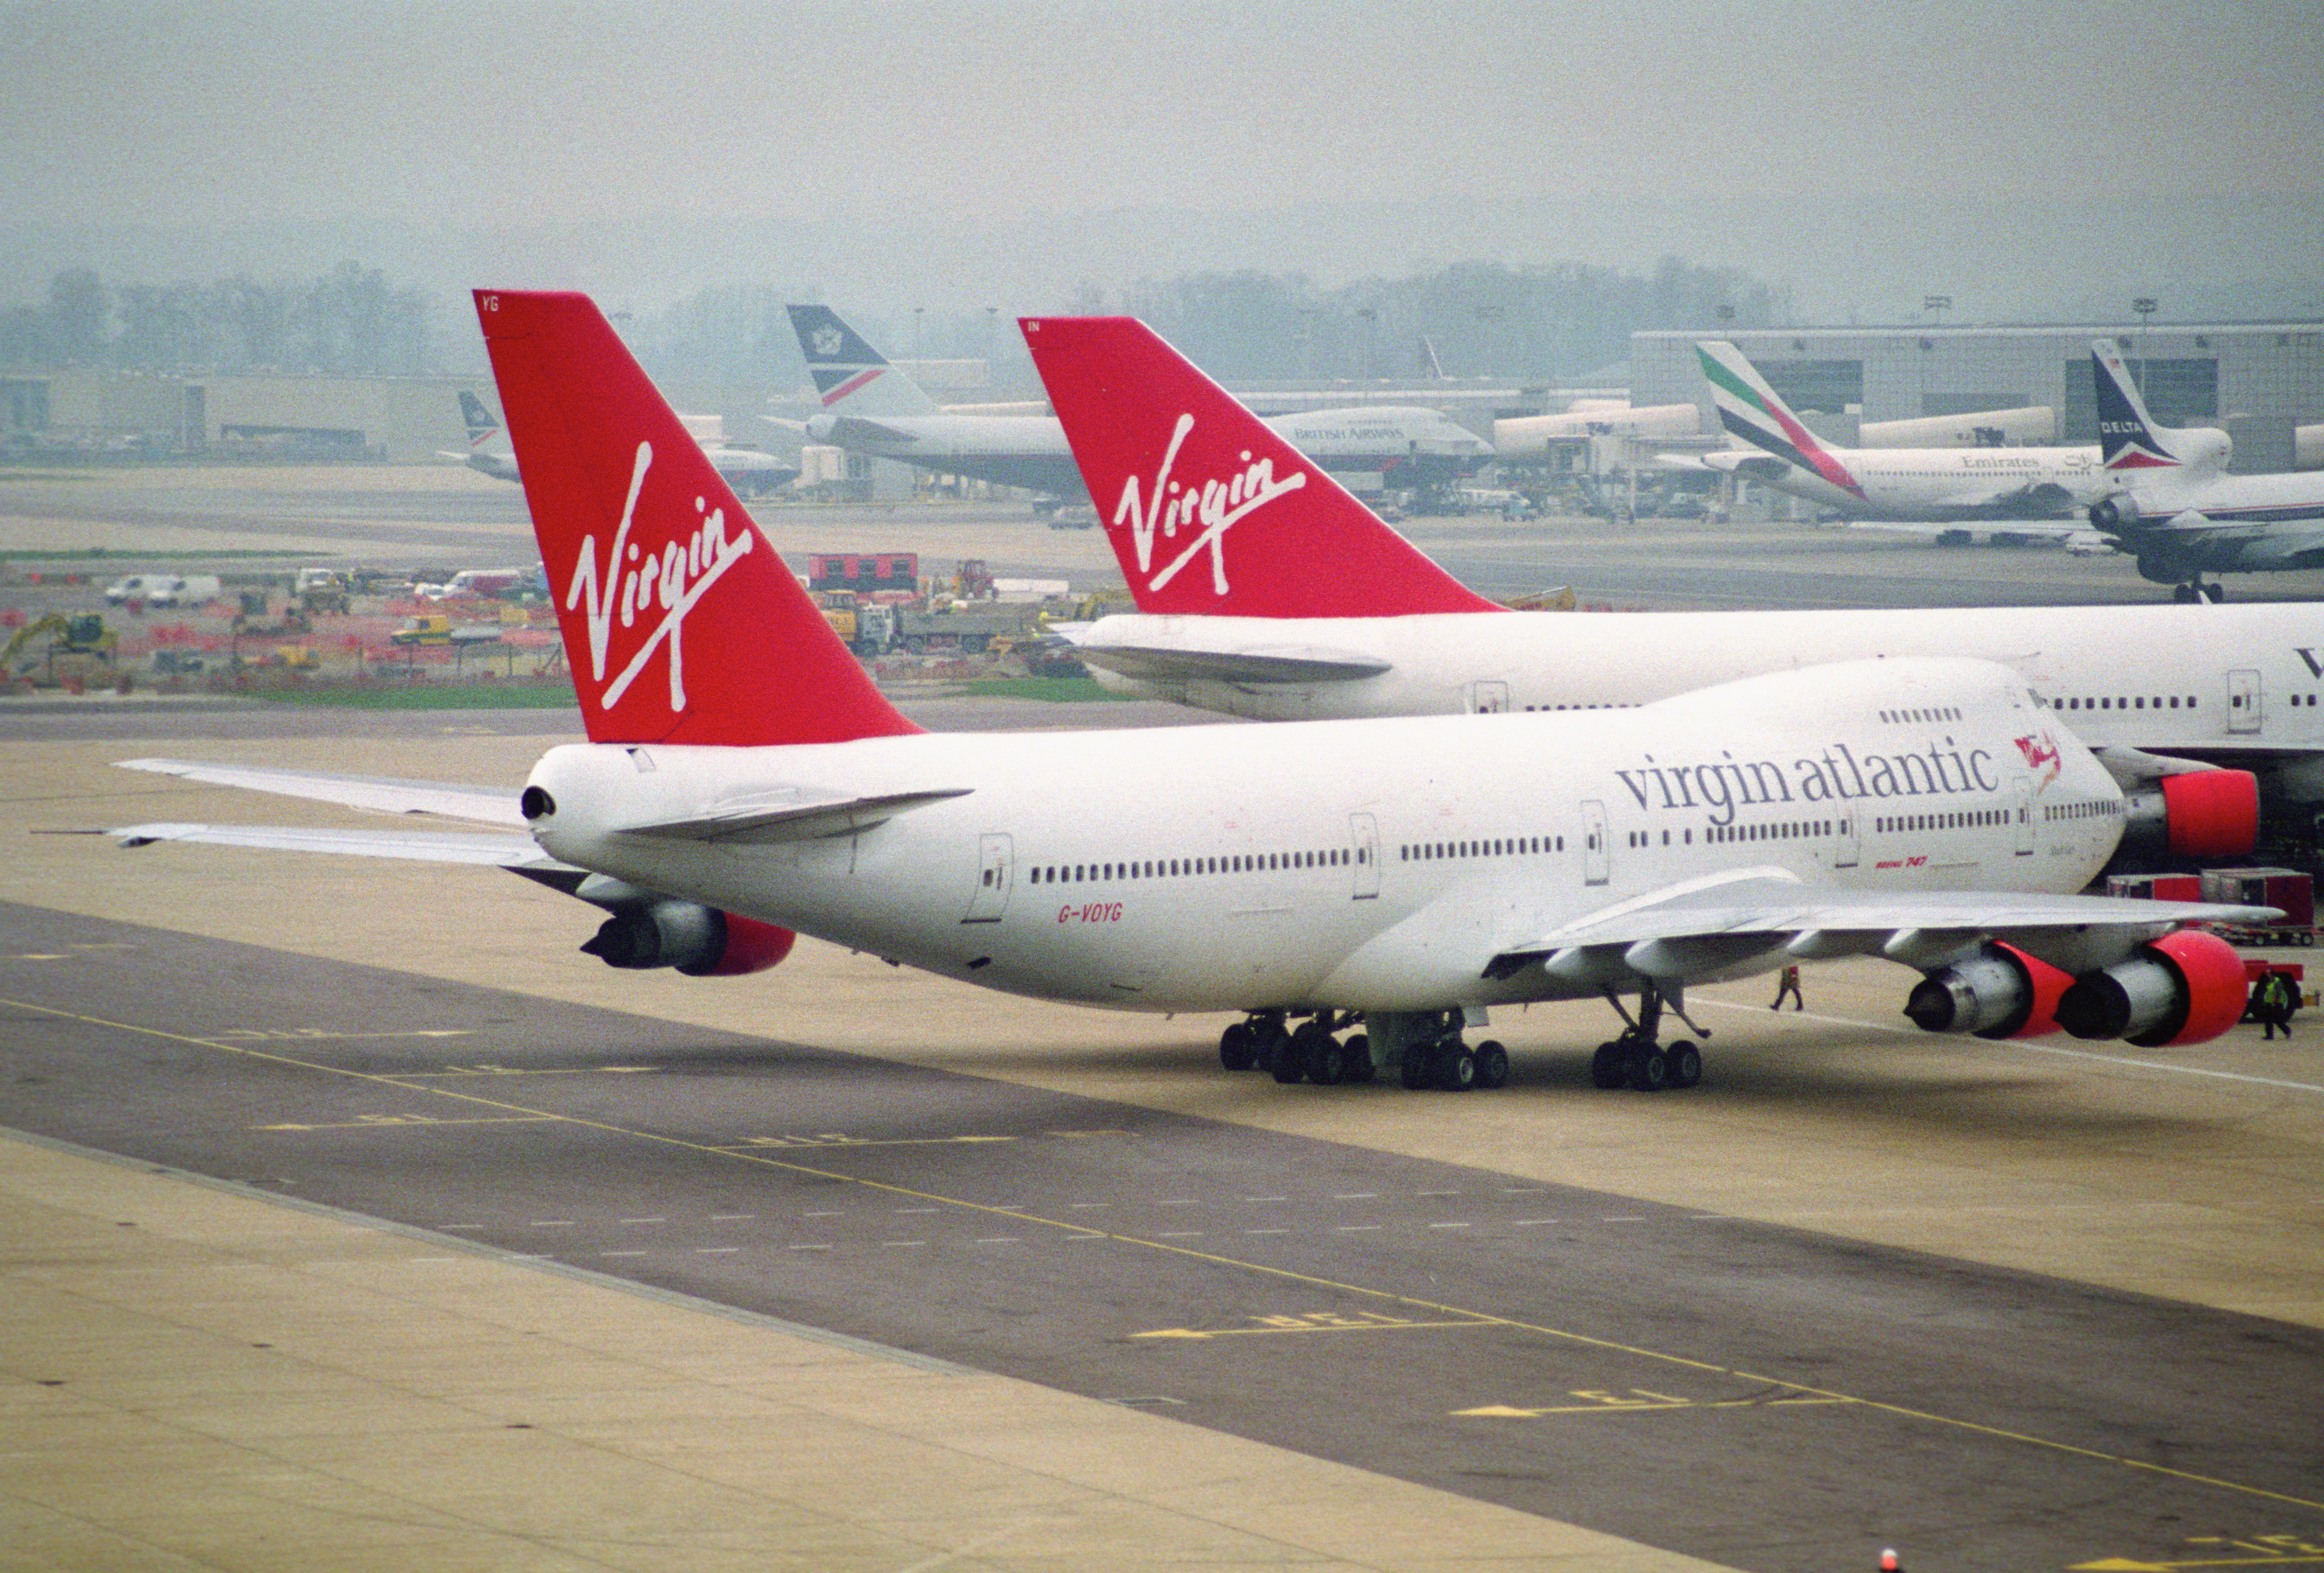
743,781
1289,600
2170,502
2022,485
870,408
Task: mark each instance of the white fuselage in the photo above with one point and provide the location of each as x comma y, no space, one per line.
2246,678
1373,865
1937,484
1031,451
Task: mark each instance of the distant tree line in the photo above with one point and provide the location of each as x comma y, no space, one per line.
350,322
1555,322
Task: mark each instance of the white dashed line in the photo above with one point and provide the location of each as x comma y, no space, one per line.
1355,1195
1088,1204
1177,1202
818,1215
808,1248
903,1242
448,1227
1357,1229
729,1217
716,1250
644,1221
551,1223
1531,1222
1436,1194
916,1210
1180,1235
621,1253
1267,1231
1625,1217
996,1240
1267,1199
1448,1225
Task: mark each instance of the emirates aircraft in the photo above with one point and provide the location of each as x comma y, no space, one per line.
743,780
1907,484
868,407
1292,601
2170,505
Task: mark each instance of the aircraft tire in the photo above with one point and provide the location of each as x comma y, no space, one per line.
1456,1066
2214,594
1236,1051
1648,1070
2185,594
1412,1069
1492,1066
1606,1066
1317,1054
1358,1047
1685,1064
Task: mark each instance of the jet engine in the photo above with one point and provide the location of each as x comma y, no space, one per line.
2000,992
699,940
2185,988
2200,814
2113,511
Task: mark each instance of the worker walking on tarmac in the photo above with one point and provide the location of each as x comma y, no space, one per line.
2275,1004
1790,986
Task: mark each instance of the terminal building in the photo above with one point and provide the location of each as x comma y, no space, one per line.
2260,382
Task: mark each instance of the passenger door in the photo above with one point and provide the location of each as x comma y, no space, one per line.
1363,831
1597,866
996,861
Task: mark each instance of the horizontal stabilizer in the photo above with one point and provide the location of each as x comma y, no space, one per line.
2284,551
796,814
386,794
853,431
421,846
1269,664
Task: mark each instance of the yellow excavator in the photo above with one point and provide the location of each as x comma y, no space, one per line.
79,639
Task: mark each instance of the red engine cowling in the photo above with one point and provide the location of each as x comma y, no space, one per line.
2185,988
2203,813
699,940
2001,992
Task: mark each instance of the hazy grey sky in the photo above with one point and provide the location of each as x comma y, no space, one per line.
967,149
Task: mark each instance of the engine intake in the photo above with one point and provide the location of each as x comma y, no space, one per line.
2185,988
699,940
2001,992
2202,813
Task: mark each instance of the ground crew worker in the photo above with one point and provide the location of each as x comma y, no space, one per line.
1789,986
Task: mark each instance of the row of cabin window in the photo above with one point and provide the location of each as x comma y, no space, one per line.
1178,868
2095,809
1781,830
1958,819
2134,702
1503,847
1928,712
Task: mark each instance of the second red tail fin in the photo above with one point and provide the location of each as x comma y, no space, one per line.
681,624
1209,511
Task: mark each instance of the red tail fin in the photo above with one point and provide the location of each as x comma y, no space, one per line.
1209,511
681,623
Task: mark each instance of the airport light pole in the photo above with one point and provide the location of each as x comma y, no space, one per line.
2145,306
1939,304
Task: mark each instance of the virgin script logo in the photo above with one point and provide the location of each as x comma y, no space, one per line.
632,585
2039,751
1207,511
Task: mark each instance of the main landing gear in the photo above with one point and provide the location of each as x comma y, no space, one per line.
1637,1059
2195,591
1424,1048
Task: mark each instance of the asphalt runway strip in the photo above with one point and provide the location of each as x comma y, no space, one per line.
1760,1396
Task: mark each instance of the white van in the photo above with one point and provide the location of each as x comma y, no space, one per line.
164,589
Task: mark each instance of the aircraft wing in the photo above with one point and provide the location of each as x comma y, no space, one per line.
2303,549
385,794
505,851
1748,464
1275,663
1700,925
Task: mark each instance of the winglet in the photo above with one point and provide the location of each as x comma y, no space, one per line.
681,624
1750,408
1208,510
